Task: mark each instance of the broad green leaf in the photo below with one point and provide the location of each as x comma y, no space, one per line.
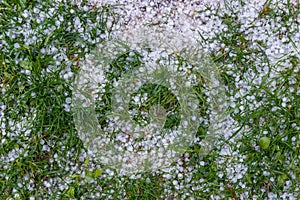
71,192
86,162
264,142
97,173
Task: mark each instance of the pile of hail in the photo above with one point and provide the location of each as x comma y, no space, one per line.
152,56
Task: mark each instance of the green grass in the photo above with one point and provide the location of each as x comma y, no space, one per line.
39,143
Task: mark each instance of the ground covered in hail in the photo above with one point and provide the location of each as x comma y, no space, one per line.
249,49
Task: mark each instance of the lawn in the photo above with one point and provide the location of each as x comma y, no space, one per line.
217,117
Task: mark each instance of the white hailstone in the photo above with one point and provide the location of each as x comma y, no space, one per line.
45,148
68,100
242,108
17,45
175,182
27,72
130,148
67,108
202,163
148,180
239,176
47,184
180,176
168,176
188,84
265,173
80,30
3,90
